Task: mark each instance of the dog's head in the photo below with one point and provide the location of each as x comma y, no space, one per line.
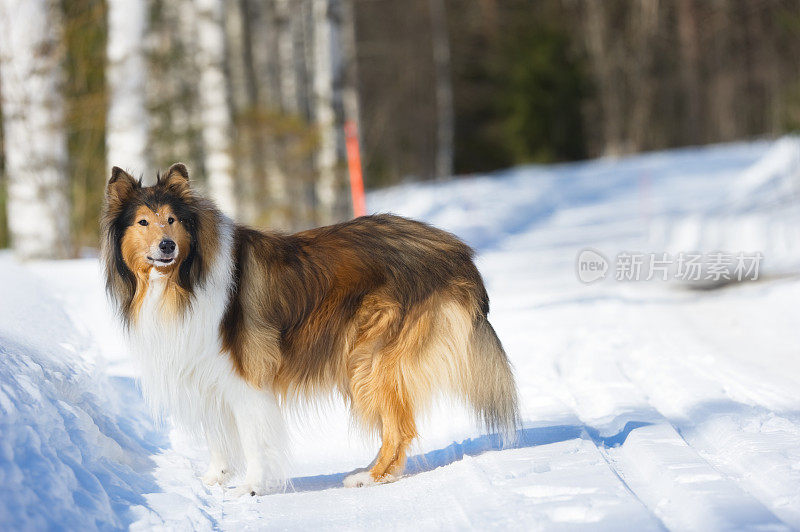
154,224
163,228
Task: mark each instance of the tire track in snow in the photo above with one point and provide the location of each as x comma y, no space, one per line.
671,478
744,426
603,451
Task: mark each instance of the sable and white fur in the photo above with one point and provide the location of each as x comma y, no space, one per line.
227,322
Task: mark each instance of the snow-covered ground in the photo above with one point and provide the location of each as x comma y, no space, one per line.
646,404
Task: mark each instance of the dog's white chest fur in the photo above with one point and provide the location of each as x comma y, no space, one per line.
180,356
186,375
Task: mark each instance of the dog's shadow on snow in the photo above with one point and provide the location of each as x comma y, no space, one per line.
526,437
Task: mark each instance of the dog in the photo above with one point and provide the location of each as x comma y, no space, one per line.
229,323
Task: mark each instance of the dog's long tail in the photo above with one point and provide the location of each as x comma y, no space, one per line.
490,388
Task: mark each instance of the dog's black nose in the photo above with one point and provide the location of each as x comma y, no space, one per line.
167,246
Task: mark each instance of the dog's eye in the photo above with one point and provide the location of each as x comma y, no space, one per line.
170,220
143,222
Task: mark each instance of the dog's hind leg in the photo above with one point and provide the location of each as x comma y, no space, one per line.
377,390
398,430
395,414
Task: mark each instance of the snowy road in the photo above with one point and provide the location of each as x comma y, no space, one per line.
646,405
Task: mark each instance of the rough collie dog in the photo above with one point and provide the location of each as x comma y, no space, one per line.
228,323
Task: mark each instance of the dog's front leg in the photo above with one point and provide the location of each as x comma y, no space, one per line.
263,438
218,468
223,443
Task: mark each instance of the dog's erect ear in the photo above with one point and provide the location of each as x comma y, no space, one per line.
177,179
121,184
177,173
118,175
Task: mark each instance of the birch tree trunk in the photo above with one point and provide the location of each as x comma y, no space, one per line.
126,124
35,142
214,108
444,89
327,186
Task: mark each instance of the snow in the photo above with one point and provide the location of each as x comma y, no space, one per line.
75,443
646,405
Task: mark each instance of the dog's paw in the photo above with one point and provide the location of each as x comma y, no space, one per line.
215,475
249,489
359,480
363,479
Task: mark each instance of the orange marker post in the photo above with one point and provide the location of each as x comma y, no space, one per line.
354,167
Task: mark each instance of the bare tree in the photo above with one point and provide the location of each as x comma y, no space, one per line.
444,90
3,195
397,89
282,98
603,50
265,196
640,66
298,142
35,142
296,138
303,27
240,98
350,101
284,22
175,130
689,39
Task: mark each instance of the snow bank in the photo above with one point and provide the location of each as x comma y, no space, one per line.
739,197
68,459
757,210
486,209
